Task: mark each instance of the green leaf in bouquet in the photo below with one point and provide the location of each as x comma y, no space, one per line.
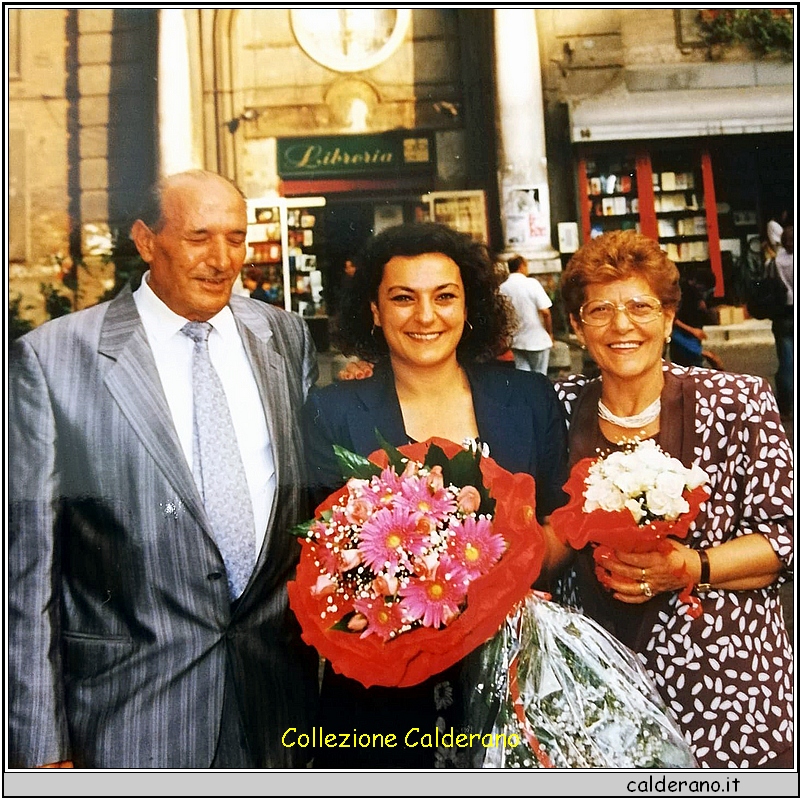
354,465
396,457
462,470
302,529
342,623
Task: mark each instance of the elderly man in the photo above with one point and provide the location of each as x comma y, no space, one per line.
156,468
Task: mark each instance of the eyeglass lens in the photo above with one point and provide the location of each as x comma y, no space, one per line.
638,309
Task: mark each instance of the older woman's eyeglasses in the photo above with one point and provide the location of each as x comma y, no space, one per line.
638,309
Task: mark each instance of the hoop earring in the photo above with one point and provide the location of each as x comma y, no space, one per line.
468,323
668,339
373,330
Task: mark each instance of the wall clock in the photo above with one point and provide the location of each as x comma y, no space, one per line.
350,39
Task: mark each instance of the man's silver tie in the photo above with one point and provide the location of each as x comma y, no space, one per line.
217,465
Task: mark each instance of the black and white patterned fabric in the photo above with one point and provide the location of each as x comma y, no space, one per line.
727,675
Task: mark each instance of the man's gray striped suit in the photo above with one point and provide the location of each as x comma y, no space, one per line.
122,636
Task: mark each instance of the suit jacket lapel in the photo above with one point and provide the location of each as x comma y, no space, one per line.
378,409
506,430
133,381
268,371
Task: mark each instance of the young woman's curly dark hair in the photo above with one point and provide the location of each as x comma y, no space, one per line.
491,321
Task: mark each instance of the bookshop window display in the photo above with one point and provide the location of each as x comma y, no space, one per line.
668,195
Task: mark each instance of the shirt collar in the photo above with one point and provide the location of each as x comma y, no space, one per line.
161,322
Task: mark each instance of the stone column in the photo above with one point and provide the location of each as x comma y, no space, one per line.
523,184
177,150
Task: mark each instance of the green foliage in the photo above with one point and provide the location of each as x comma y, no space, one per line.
765,30
56,304
17,324
354,465
128,265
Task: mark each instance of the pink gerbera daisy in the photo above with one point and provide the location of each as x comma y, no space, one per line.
474,546
418,495
434,601
388,537
384,619
385,487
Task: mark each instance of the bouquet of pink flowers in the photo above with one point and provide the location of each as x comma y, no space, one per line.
416,561
429,552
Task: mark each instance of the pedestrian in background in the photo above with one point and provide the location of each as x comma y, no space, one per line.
532,340
252,281
782,324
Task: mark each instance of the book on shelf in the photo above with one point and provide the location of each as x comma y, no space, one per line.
624,184
620,205
671,250
668,181
608,207
684,180
700,251
667,227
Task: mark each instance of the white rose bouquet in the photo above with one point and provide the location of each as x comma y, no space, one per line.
633,500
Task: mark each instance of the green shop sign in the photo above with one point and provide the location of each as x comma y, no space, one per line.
387,154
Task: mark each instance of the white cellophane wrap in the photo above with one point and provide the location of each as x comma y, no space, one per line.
586,698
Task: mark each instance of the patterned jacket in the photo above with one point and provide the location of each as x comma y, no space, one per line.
728,674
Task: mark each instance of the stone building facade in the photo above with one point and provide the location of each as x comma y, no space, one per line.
99,100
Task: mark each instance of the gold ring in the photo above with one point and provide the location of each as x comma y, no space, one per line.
646,589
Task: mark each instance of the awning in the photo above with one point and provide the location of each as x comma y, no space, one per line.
621,114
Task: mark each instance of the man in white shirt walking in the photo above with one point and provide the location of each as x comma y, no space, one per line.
532,341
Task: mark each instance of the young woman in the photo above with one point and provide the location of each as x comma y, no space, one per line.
425,309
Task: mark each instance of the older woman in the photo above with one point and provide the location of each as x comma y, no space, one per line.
727,674
424,307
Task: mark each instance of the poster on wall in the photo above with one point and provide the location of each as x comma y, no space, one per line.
526,215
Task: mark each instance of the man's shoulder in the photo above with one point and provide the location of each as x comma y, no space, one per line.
240,304
277,320
86,323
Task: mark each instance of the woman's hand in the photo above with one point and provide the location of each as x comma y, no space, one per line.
355,370
748,562
637,577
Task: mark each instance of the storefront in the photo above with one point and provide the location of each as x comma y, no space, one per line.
337,191
700,171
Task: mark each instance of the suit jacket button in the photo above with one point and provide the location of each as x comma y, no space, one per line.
214,576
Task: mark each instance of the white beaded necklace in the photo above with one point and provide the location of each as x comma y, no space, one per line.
649,414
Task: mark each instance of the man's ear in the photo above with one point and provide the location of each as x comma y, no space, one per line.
142,237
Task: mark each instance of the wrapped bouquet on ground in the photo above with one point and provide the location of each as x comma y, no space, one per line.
557,691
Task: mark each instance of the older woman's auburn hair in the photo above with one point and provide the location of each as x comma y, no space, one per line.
489,324
618,255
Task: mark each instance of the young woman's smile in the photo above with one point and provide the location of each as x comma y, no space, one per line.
420,308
